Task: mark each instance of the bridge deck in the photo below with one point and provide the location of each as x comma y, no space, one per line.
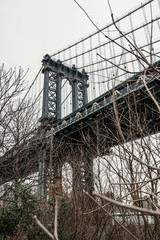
101,111
86,115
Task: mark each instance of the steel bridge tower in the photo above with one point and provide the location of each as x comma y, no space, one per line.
54,72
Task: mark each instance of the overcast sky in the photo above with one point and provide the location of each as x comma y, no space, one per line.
32,28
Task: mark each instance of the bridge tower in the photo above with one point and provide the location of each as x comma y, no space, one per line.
54,72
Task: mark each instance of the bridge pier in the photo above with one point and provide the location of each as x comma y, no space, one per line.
89,179
82,176
81,162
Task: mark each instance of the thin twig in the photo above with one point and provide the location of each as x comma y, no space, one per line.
43,228
111,216
150,94
56,219
134,208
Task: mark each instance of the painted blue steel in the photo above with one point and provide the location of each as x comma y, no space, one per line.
87,115
45,95
102,102
54,71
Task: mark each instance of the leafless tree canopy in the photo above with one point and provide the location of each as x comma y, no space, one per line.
102,183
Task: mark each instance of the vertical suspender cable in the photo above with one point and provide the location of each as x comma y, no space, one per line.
91,70
76,53
97,89
152,57
83,56
146,28
114,60
112,68
101,85
123,56
106,68
149,35
134,40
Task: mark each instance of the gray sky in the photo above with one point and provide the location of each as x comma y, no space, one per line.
32,28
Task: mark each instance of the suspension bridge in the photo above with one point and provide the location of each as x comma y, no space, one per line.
112,70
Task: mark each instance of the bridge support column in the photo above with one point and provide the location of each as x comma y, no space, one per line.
84,87
77,178
58,96
45,94
74,96
82,177
89,179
